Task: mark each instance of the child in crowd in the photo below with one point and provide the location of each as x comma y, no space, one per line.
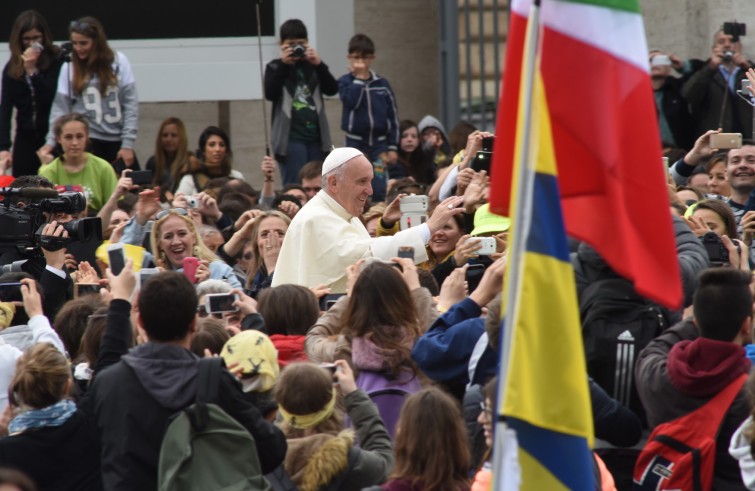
295,84
370,116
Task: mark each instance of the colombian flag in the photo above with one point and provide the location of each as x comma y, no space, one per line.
545,397
605,136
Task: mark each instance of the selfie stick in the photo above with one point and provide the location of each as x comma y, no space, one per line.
747,97
262,77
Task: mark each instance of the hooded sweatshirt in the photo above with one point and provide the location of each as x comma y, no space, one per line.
678,372
741,449
135,399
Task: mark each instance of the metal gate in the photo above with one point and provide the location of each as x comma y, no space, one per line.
472,43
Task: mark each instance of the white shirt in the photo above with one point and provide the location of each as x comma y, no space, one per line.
324,239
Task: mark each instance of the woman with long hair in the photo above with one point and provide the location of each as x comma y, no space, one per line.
174,237
100,84
412,161
374,328
267,237
50,440
171,155
29,81
431,445
76,166
213,160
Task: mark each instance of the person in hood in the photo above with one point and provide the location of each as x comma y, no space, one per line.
135,398
435,140
693,361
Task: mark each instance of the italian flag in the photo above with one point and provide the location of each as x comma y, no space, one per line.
594,67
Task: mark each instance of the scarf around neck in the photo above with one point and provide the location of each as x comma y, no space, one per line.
50,416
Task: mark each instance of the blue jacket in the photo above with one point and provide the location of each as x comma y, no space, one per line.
369,110
444,351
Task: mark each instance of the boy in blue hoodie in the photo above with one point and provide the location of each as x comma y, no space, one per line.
370,117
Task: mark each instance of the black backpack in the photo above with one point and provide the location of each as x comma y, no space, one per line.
617,324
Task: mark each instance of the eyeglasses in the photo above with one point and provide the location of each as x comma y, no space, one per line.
202,312
79,26
165,213
313,189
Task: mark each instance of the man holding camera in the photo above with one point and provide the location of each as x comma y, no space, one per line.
295,84
327,236
712,91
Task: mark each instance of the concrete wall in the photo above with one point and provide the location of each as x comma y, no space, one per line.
406,39
686,27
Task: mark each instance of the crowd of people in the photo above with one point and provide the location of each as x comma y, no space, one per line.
342,326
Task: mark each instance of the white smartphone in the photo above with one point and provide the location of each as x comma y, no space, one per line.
487,245
220,302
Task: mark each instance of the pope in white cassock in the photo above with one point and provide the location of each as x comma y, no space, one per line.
326,236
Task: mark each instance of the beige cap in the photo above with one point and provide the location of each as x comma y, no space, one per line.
338,157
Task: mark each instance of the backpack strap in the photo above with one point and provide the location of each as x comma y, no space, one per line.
335,484
715,410
208,380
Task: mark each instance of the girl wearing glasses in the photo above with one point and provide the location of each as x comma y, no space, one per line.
28,85
175,237
100,84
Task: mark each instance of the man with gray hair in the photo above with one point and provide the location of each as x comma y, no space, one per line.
327,236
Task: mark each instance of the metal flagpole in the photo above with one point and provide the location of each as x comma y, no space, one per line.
262,77
521,220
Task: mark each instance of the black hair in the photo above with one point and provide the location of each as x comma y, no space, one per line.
30,181
293,29
722,302
285,197
292,185
167,306
213,131
362,44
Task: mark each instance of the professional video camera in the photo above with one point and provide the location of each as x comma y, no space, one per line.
21,226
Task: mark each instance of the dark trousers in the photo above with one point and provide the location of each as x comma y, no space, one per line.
297,155
108,151
25,160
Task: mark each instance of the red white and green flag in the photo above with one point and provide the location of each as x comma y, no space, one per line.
594,66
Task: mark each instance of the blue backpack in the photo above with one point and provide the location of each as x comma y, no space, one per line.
388,394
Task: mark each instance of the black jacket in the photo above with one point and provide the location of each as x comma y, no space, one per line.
676,110
134,400
57,458
33,113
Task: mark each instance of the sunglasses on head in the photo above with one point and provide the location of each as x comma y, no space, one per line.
79,26
165,213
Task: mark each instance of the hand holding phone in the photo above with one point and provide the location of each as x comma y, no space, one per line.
216,303
190,265
11,292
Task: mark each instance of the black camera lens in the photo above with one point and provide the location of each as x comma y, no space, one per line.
84,229
298,51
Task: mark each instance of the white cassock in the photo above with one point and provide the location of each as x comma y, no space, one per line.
324,239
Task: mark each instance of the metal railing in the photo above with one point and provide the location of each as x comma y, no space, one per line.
472,42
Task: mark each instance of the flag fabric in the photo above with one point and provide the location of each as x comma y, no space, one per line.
605,137
546,399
